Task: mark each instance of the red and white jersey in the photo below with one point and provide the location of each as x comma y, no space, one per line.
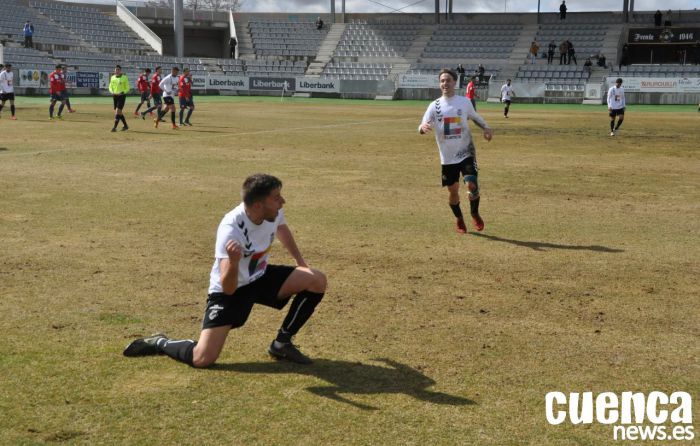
155,84
57,82
143,85
185,87
470,90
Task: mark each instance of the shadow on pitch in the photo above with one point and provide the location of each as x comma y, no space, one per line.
4,149
543,246
355,378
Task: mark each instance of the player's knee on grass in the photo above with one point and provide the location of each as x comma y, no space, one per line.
201,359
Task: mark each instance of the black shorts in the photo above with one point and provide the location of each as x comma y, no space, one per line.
186,102
157,98
234,309
119,100
59,96
617,111
144,96
450,172
7,97
506,101
169,100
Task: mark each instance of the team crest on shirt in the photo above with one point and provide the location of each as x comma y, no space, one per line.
453,127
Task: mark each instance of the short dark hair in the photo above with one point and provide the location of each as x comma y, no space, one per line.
147,70
158,67
176,68
257,187
58,66
619,80
448,71
118,66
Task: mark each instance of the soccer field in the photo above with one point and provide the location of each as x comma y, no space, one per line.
584,279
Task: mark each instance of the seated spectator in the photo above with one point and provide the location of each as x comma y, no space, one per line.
319,23
480,73
602,61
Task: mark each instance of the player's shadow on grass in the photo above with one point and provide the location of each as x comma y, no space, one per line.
356,378
4,149
542,246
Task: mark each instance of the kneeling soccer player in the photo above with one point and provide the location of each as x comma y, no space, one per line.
242,277
448,116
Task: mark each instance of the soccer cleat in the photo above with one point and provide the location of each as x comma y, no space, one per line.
143,116
461,227
72,110
188,124
14,118
155,123
144,346
612,133
125,128
59,117
175,127
136,114
114,129
289,352
478,222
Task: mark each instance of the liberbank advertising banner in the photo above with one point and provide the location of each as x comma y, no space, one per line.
317,85
658,84
273,83
222,82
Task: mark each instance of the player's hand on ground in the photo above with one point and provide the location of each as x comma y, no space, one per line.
426,127
488,134
234,251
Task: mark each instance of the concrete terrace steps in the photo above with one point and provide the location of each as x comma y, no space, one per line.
326,50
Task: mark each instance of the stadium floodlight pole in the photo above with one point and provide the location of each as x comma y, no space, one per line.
538,12
333,11
342,10
625,11
437,11
179,28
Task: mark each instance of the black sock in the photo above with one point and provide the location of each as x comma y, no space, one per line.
160,113
612,125
189,113
182,112
138,107
60,109
51,110
300,311
179,350
68,104
619,123
456,210
148,104
123,119
12,109
172,117
474,206
116,121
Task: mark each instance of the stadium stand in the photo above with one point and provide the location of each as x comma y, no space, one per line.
357,71
434,69
658,71
563,74
285,38
472,41
47,35
29,58
272,68
376,40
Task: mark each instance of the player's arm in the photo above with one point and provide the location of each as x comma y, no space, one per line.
478,120
426,124
229,266
287,240
609,101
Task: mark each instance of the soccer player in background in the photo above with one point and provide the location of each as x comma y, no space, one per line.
143,84
57,90
448,116
507,94
471,92
7,89
169,86
185,95
156,93
241,277
616,105
64,73
119,87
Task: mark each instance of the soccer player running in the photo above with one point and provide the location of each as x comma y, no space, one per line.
448,116
507,94
169,86
57,90
156,94
144,86
471,92
119,87
7,89
241,277
616,105
185,94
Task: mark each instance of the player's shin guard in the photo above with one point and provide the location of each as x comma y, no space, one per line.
60,109
457,210
612,124
189,113
178,350
300,311
12,109
123,119
619,123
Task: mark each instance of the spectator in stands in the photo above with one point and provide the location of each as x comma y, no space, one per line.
184,92
460,73
550,52
563,50
28,32
562,11
624,57
657,18
480,70
448,116
156,94
319,23
571,52
602,61
587,65
471,92
57,90
7,89
232,42
143,85
119,87
534,48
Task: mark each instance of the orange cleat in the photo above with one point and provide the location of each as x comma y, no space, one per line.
478,222
461,227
